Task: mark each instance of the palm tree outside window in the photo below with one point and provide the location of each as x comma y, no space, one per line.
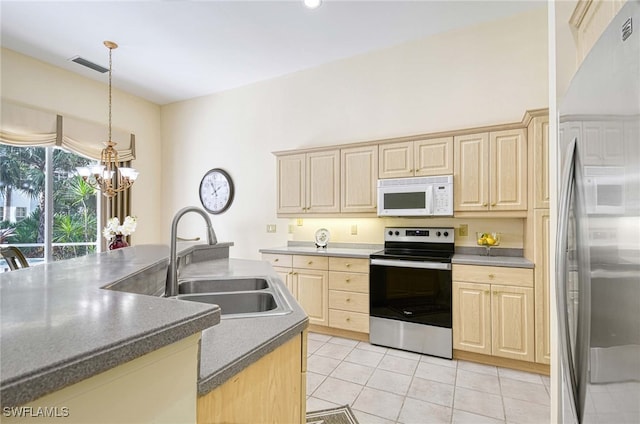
60,225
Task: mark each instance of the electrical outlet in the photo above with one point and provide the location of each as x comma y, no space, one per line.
463,230
299,222
354,230
290,229
271,228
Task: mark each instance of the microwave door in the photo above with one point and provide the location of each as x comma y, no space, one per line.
402,201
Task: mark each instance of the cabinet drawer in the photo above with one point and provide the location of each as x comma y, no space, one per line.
348,301
493,275
277,259
349,264
349,281
353,321
310,262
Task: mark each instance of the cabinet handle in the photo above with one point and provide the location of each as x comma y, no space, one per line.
493,204
348,300
487,291
309,263
347,280
348,319
484,204
491,276
495,293
347,265
276,260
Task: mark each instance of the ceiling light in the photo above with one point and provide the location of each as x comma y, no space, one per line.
107,176
312,4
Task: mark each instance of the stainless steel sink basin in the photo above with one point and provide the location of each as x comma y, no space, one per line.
237,297
221,286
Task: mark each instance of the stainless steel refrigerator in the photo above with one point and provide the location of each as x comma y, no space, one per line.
598,234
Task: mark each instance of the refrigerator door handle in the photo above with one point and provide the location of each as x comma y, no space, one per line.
564,206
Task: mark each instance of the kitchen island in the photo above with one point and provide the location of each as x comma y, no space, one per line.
70,322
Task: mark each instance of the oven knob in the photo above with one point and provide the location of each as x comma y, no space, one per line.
390,233
397,233
446,234
438,233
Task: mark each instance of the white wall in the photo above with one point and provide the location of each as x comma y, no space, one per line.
29,81
482,75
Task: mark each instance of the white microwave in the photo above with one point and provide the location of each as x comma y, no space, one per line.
418,196
604,189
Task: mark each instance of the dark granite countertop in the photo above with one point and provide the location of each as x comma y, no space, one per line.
345,250
58,326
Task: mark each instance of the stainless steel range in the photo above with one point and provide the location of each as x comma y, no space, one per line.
410,291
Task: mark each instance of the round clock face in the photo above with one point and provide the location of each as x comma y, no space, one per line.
216,191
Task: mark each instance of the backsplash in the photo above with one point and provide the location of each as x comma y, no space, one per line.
371,230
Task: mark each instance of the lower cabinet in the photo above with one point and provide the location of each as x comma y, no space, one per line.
273,390
333,291
491,318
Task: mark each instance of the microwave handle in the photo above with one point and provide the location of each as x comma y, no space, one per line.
430,200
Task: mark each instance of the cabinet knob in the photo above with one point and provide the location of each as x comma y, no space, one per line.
493,204
348,319
276,260
484,204
487,291
491,276
347,280
309,263
348,265
348,300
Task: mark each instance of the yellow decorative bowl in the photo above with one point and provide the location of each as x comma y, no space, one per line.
488,239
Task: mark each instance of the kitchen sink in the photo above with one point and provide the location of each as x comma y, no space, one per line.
237,297
220,286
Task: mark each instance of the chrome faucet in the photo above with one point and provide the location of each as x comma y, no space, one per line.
171,288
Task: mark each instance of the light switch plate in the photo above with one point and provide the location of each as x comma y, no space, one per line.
271,228
354,230
463,230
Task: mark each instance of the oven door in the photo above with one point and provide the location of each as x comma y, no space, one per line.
411,291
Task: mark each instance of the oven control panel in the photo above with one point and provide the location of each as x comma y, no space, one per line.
420,234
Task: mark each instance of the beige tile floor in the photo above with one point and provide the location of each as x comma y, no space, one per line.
393,386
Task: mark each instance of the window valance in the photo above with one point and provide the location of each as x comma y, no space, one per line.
22,125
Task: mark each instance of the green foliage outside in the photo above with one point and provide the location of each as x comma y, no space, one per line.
22,169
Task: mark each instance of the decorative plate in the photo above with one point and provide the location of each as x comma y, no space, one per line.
322,237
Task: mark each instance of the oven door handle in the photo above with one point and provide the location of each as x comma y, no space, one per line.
411,264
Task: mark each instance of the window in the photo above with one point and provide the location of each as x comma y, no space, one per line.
61,225
21,213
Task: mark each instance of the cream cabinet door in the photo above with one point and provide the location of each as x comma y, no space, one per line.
323,182
471,172
396,160
508,172
313,294
542,306
291,183
433,157
538,137
359,179
472,317
512,322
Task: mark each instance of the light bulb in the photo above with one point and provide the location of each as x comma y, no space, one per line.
312,4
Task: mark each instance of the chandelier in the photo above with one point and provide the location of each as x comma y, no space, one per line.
106,176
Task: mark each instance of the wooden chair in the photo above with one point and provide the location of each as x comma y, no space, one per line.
14,257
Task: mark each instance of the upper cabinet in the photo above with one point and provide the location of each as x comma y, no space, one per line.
416,158
309,182
490,171
538,140
589,20
359,179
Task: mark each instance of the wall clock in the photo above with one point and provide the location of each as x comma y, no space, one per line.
216,191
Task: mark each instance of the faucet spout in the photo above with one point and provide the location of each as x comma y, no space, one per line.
171,288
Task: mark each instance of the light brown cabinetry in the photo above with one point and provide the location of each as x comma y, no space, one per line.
490,171
274,387
309,182
493,311
333,291
542,302
589,20
416,158
349,294
359,179
538,136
